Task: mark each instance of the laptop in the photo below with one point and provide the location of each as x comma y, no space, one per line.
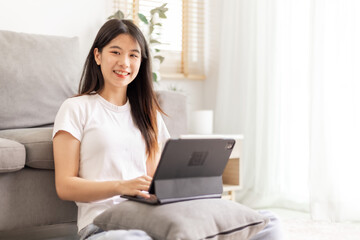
189,169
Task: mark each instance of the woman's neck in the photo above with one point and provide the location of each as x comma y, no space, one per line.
117,97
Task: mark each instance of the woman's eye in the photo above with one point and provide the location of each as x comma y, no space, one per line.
133,55
114,52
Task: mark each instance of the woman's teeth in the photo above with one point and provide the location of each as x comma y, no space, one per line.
121,73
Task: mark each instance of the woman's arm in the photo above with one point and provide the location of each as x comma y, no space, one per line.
70,186
152,165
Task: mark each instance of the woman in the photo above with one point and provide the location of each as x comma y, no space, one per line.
107,139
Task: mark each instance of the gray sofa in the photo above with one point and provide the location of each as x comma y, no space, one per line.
37,73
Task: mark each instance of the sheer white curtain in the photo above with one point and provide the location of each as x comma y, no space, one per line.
289,79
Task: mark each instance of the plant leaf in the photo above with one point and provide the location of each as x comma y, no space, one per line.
154,77
157,50
161,58
143,18
117,15
153,11
163,7
160,9
154,41
162,15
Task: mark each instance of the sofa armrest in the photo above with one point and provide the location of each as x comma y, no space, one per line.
37,143
12,156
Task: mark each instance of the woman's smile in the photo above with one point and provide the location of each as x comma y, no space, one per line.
122,74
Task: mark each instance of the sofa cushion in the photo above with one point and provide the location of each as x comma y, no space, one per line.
38,145
197,219
37,73
12,155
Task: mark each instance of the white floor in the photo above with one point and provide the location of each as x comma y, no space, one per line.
299,226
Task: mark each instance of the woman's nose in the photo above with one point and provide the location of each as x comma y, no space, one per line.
124,61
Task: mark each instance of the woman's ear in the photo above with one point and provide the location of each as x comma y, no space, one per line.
97,56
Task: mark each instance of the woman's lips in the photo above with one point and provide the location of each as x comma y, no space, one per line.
121,74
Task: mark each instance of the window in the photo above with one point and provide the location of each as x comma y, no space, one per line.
182,34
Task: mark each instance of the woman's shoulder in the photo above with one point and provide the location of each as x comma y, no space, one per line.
81,100
79,103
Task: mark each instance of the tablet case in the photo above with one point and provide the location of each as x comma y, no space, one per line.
191,169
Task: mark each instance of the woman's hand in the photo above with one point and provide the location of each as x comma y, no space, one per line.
135,186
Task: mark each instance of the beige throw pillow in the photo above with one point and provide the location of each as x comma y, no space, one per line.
196,219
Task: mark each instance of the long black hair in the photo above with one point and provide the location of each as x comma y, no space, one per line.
142,98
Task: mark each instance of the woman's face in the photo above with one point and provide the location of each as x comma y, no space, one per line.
119,61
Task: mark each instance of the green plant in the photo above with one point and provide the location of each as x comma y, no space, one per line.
174,88
151,28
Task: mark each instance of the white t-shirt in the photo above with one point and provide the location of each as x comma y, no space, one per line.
112,147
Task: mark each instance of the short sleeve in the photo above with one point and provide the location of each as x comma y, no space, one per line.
163,133
69,119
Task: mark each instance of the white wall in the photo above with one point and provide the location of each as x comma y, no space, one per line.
81,18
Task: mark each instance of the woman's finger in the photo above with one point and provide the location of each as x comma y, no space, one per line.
144,187
143,194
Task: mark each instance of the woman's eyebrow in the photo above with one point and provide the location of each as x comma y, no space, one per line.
132,50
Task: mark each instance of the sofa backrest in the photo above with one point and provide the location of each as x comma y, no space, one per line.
37,73
174,104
